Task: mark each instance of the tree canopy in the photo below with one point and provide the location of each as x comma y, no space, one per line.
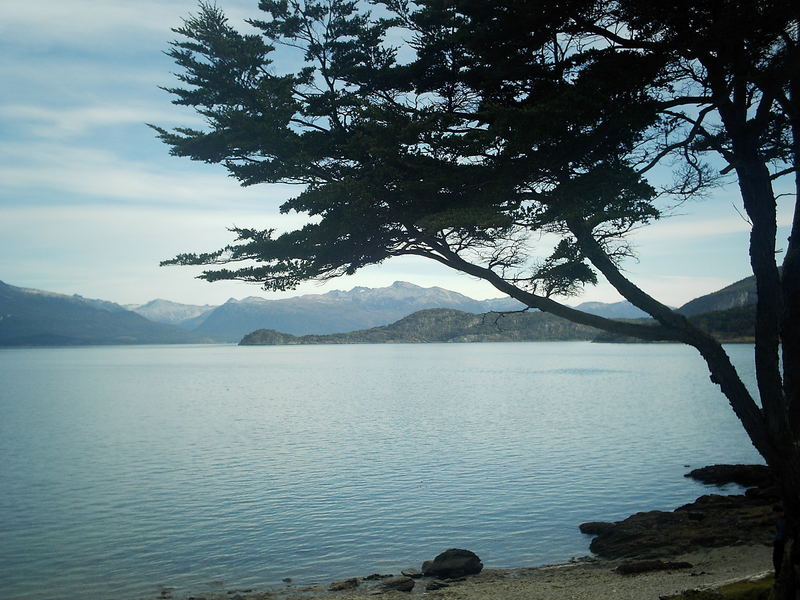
463,131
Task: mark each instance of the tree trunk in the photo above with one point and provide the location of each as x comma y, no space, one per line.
790,279
776,332
788,584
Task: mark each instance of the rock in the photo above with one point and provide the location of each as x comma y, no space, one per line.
746,475
646,566
454,562
595,527
376,576
436,585
411,572
400,584
346,584
710,521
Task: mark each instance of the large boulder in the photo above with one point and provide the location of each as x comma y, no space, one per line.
454,562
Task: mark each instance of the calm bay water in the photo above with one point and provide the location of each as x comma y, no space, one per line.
123,469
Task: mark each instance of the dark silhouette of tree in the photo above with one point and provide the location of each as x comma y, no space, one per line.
495,122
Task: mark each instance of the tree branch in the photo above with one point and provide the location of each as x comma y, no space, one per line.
723,373
645,332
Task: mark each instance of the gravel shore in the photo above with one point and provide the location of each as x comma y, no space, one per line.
583,580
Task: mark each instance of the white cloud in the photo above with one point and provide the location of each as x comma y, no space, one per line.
688,227
112,23
62,122
82,22
85,76
113,252
724,220
676,290
53,170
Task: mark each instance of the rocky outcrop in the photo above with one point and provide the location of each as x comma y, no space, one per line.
451,563
400,584
746,475
711,521
411,572
595,527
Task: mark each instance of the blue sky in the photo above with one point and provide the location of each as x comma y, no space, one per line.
91,201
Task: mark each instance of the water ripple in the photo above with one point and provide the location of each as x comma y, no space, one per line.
129,468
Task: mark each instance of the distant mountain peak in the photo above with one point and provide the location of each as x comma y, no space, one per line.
337,310
169,312
40,318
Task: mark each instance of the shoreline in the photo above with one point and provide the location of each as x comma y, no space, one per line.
711,542
584,579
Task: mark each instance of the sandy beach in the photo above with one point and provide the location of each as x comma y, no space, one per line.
582,580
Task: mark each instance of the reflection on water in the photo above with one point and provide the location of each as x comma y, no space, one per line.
125,468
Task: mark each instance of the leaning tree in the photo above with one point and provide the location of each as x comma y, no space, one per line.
493,123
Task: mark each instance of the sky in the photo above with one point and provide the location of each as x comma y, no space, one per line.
91,201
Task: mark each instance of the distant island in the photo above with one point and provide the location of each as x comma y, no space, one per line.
442,325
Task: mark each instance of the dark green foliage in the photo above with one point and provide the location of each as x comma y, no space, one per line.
732,325
433,157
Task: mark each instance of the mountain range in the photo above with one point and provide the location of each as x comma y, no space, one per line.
741,293
337,311
35,317
334,312
171,313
